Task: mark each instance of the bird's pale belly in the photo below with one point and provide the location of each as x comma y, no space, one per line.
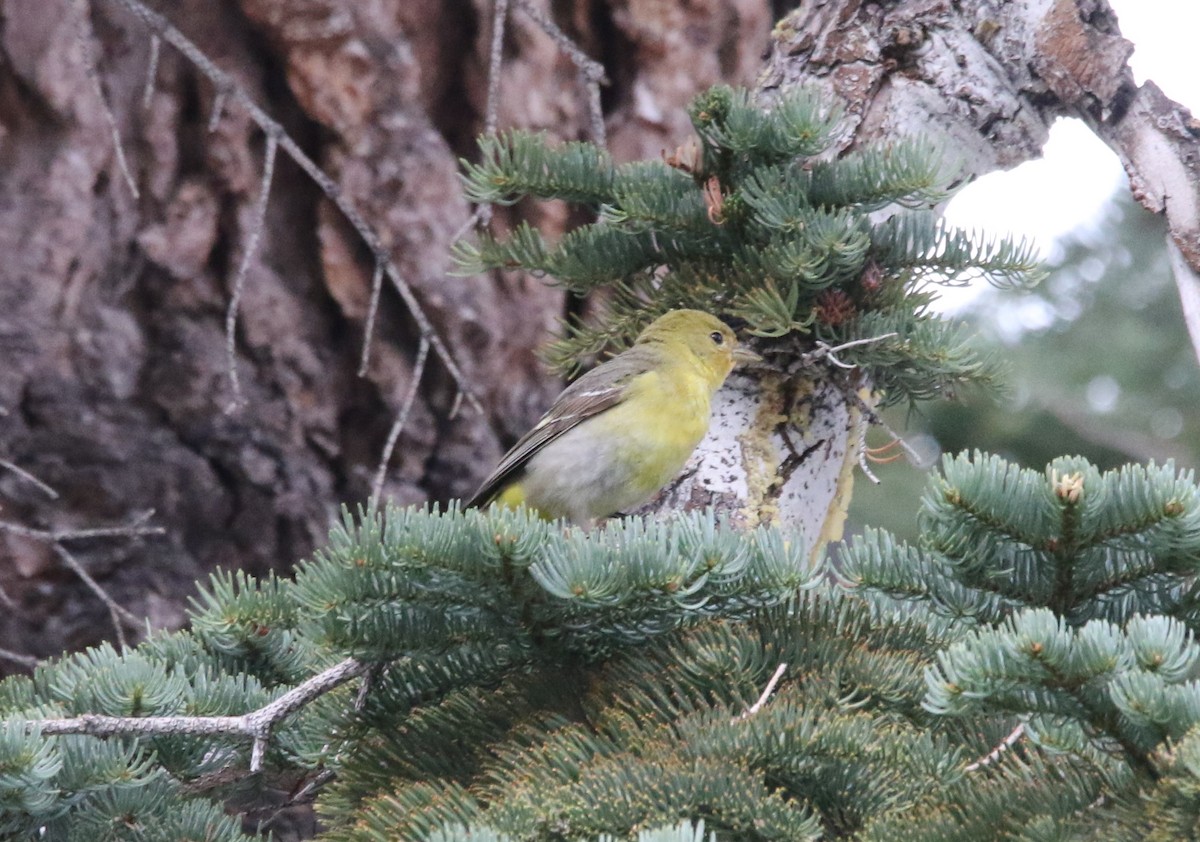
578,478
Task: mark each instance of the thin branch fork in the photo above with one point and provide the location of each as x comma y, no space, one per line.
591,73
398,425
56,539
228,89
257,724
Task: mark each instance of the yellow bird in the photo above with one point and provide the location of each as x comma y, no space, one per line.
622,431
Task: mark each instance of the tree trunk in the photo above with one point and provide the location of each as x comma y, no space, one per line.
983,81
114,384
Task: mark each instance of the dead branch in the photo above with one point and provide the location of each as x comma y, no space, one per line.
766,694
591,73
994,755
84,37
257,724
398,426
55,539
151,71
257,221
30,478
491,115
54,536
26,661
116,612
228,89
826,351
372,312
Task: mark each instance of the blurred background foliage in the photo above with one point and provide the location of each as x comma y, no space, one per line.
1100,365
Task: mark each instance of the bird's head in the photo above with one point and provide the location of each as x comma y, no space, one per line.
709,340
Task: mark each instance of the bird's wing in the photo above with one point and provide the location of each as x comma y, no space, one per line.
600,389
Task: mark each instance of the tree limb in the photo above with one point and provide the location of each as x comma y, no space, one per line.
986,80
256,724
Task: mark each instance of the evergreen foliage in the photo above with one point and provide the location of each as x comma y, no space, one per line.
536,683
757,221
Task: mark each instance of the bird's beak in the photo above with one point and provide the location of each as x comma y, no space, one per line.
742,356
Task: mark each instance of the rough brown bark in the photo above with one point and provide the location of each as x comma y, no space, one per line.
112,374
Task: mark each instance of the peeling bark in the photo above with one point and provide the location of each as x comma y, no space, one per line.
985,80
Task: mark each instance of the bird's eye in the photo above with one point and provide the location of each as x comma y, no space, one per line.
717,337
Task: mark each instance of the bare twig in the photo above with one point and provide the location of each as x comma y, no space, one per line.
132,530
84,36
591,73
476,218
455,407
372,311
227,88
218,108
55,539
115,611
398,426
874,417
766,693
27,661
7,600
994,755
305,792
254,233
495,55
28,477
824,350
151,70
257,724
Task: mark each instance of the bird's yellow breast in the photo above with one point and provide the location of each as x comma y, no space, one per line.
664,417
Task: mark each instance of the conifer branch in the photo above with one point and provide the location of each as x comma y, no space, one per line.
256,724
